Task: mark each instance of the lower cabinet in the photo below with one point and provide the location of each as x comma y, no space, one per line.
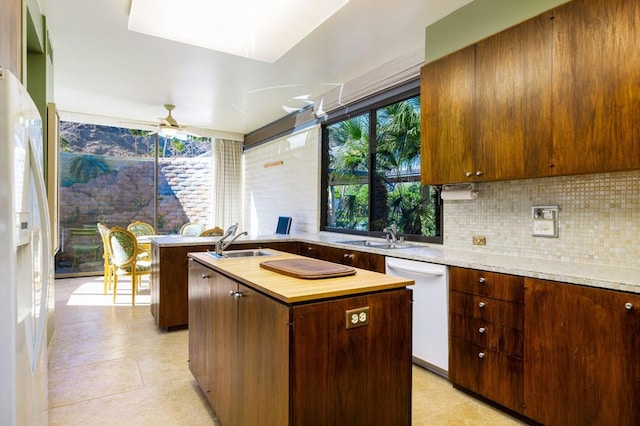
582,355
355,258
559,354
263,362
169,284
486,314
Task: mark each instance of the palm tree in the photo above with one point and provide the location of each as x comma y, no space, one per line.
83,168
398,162
348,171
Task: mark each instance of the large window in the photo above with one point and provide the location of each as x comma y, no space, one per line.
371,172
116,176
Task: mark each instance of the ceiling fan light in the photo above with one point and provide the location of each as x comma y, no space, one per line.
168,132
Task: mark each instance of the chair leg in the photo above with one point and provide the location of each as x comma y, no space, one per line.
107,277
115,287
134,287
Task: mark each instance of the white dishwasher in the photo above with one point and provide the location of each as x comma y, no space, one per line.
430,311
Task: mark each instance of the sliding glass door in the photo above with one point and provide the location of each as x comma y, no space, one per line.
116,176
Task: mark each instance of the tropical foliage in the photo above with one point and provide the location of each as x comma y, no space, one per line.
373,185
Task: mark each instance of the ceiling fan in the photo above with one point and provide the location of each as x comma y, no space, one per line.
168,126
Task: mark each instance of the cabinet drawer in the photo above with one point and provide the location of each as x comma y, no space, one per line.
485,308
488,335
494,375
492,284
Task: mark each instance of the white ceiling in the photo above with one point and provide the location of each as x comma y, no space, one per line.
101,68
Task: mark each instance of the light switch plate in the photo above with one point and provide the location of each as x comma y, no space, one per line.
545,221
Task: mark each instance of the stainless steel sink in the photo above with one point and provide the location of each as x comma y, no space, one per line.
241,253
375,244
363,243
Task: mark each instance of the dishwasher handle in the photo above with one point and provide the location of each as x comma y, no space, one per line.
423,269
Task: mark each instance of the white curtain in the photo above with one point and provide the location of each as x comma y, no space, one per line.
227,182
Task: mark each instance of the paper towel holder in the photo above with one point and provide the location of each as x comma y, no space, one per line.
459,191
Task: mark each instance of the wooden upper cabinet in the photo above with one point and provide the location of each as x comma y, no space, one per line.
486,109
556,95
513,102
448,118
596,86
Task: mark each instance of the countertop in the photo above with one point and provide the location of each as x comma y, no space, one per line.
603,276
292,290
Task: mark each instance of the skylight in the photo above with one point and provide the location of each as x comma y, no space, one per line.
263,30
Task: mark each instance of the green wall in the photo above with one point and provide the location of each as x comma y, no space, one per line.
478,20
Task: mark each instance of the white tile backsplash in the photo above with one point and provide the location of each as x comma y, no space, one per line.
599,218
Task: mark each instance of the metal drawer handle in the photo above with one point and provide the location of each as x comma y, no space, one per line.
468,174
348,255
205,276
481,305
231,293
481,355
482,280
237,295
481,330
628,306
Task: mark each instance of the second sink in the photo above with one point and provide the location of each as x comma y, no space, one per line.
375,244
241,253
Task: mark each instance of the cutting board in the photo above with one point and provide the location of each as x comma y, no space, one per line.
309,269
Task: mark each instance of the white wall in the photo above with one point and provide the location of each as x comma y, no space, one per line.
290,189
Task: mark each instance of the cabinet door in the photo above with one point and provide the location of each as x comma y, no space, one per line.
223,354
494,375
263,359
513,102
582,355
491,284
200,325
357,376
357,259
447,129
596,81
311,250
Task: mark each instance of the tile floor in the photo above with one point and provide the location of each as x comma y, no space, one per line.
110,365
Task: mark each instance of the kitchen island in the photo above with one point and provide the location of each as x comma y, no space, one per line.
267,348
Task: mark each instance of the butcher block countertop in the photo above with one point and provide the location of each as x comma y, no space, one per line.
247,270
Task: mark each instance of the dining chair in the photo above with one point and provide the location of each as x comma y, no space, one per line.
191,229
106,255
138,228
124,251
142,229
212,232
84,247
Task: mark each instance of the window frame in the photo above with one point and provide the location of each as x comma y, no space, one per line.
369,106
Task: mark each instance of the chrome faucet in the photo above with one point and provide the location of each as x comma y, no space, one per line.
392,233
222,244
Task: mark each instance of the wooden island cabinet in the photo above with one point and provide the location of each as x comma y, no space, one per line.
268,349
169,276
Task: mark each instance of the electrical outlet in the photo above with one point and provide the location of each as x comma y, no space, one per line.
479,240
357,317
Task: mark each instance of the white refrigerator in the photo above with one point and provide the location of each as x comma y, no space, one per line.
26,266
